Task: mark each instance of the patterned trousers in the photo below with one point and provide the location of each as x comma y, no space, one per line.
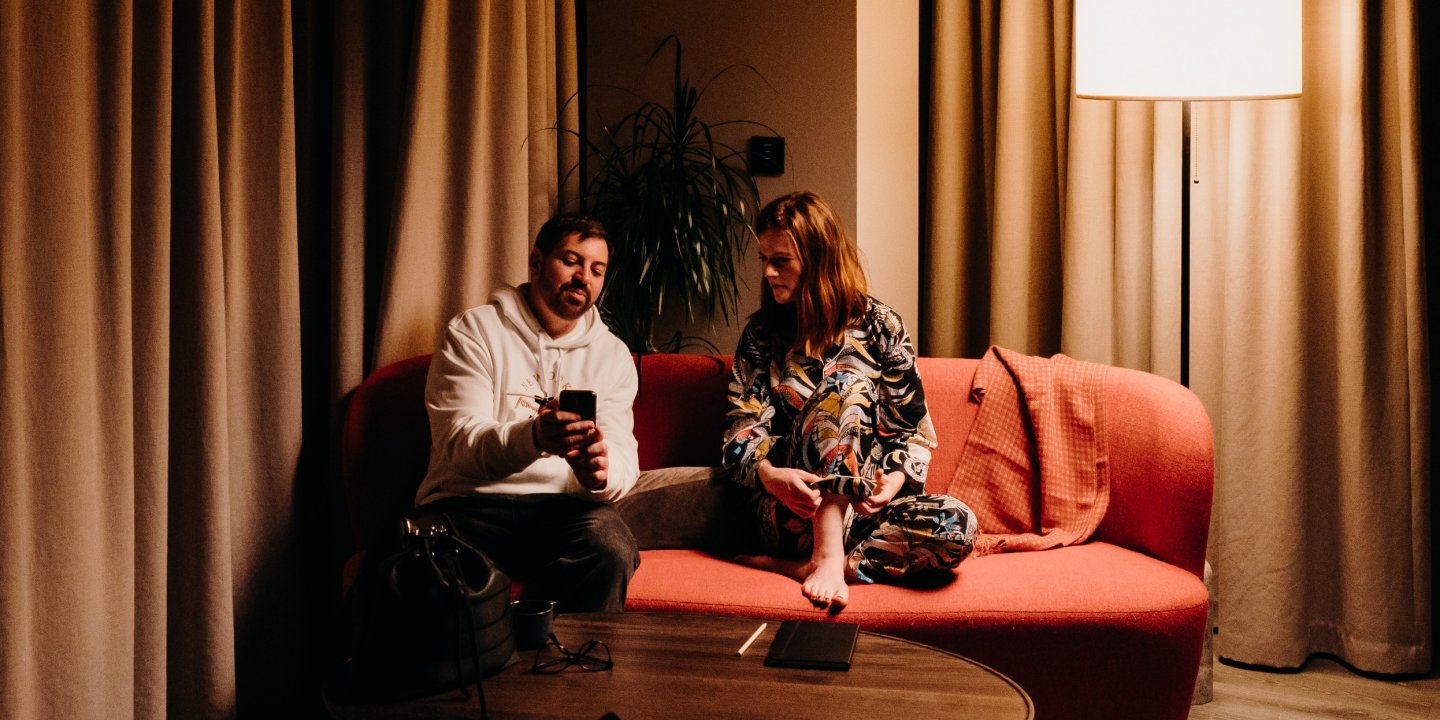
912,538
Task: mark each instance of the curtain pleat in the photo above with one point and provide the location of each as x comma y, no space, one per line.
478,166
262,366
75,455
1120,299
150,201
955,277
1003,110
200,592
371,58
1308,341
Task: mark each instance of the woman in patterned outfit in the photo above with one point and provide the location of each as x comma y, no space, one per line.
828,420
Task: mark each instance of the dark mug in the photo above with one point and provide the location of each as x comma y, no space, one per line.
531,620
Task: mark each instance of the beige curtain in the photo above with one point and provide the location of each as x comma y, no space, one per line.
478,168
150,363
1060,218
151,326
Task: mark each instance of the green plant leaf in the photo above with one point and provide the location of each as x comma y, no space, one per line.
678,203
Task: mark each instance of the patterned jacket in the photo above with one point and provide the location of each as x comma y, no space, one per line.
767,394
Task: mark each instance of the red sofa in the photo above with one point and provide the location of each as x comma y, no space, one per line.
1112,628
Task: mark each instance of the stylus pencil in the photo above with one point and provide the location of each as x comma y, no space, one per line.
753,635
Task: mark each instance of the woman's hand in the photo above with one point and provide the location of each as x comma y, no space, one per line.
795,488
886,486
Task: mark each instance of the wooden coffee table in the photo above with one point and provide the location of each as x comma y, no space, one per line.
684,665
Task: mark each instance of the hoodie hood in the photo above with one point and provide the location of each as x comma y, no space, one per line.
513,307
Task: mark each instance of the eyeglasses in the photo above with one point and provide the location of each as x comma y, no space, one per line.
592,656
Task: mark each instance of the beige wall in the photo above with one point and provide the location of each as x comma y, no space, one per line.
888,152
807,54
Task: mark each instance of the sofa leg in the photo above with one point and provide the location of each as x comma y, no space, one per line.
1204,682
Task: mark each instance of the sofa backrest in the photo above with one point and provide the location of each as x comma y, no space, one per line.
947,390
680,409
679,421
1161,453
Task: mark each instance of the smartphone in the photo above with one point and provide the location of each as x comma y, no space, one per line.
580,402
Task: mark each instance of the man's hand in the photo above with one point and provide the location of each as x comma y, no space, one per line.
558,432
795,488
590,463
563,433
886,486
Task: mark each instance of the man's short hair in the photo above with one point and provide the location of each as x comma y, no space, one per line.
556,228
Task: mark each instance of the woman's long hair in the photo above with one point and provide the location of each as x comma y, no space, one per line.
833,292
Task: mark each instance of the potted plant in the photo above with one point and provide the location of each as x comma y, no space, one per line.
679,205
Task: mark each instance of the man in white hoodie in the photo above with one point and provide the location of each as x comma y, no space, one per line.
528,483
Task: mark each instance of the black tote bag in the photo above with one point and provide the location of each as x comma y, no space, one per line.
425,616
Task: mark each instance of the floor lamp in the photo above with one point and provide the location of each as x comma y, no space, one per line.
1187,50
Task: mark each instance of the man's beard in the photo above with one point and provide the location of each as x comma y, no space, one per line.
561,305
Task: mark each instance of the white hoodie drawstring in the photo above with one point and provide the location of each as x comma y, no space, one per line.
547,379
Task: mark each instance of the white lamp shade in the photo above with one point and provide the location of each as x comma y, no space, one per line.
1187,49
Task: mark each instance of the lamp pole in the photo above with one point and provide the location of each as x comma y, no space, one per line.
1185,244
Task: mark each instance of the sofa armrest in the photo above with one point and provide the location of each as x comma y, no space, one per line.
385,448
1162,469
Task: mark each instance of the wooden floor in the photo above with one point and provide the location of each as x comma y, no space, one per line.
1323,689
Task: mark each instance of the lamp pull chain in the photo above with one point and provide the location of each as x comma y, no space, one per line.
1194,156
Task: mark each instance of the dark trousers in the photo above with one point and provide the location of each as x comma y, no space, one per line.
561,547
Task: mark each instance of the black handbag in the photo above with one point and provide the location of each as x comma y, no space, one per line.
425,617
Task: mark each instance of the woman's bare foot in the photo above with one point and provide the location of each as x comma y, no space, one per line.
823,578
814,581
825,585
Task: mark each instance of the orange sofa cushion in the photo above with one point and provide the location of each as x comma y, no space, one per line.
1053,621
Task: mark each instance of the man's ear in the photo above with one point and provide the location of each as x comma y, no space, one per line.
534,262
